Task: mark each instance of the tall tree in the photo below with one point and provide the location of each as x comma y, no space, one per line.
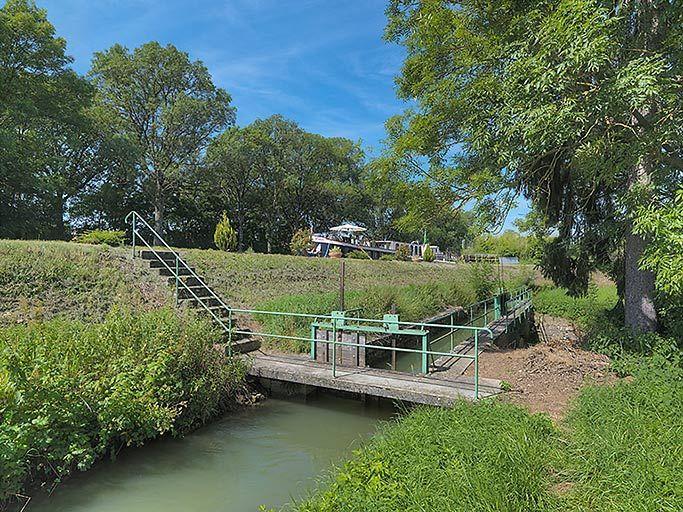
168,105
36,90
575,104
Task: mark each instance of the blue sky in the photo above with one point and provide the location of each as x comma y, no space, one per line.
321,63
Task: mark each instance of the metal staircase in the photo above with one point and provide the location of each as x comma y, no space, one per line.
190,288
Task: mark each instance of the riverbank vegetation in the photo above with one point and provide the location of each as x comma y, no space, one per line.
74,392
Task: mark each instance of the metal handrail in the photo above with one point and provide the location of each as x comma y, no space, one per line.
175,272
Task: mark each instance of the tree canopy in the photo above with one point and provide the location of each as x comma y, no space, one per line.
576,105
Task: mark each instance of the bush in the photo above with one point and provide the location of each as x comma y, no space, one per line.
301,242
428,254
75,392
402,253
101,237
358,255
387,257
481,278
225,237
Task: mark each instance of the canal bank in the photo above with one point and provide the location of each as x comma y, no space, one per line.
261,455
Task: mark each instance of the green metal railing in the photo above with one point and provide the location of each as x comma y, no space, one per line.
338,322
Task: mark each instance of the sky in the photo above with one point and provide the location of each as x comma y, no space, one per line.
321,63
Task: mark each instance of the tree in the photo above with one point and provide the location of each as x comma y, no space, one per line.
165,103
225,237
37,91
575,104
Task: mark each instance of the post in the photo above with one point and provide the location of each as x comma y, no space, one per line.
452,323
496,307
485,316
334,347
393,341
313,342
230,331
424,354
133,235
342,272
177,280
476,364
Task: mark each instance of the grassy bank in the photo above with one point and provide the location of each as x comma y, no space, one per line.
41,280
620,449
74,392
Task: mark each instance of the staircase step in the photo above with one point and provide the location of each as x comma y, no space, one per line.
182,271
149,255
242,346
193,291
188,280
208,301
164,263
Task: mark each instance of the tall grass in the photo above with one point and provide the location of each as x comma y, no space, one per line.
485,457
583,309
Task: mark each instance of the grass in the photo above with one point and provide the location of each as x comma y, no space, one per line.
489,456
620,449
42,280
583,309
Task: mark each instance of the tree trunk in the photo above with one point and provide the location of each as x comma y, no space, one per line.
60,227
240,229
640,314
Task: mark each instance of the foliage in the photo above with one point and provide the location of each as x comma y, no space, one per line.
101,237
488,456
482,279
335,252
224,236
387,257
585,310
428,254
509,243
402,253
625,442
301,242
358,255
170,123
575,104
83,391
663,225
41,280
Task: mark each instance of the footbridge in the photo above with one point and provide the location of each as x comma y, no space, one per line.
418,362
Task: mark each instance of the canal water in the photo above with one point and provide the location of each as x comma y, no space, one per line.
265,455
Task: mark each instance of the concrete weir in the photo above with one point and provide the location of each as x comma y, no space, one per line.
388,384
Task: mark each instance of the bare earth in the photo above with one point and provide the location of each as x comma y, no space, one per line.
545,377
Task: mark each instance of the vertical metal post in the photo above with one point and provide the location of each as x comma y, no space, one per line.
177,280
334,347
133,235
342,273
230,331
486,322
476,364
452,323
313,342
424,354
496,307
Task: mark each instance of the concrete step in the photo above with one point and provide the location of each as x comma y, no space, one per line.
193,291
188,280
164,263
207,301
243,346
182,271
149,255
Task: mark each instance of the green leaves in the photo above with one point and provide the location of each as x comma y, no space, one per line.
225,237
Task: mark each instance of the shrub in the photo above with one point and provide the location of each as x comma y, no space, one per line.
301,242
225,237
101,237
402,253
335,252
428,254
358,255
77,392
482,279
387,257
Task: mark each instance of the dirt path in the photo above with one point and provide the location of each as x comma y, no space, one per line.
545,377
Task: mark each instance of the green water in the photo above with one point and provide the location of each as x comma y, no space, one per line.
265,455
